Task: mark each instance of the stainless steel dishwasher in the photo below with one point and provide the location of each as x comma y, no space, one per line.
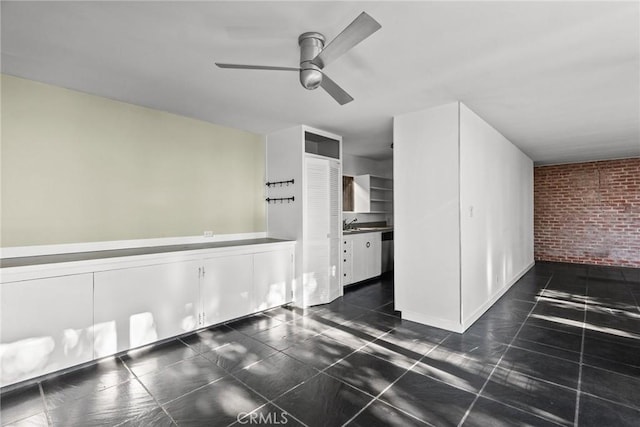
387,251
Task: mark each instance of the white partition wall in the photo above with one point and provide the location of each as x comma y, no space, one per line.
426,228
496,206
463,215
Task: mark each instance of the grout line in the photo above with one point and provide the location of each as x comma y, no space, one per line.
501,357
576,417
44,404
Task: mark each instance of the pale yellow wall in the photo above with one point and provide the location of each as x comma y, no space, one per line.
82,168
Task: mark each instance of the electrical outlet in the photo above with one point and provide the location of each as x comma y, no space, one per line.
208,234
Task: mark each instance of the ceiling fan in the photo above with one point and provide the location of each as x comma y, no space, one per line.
314,56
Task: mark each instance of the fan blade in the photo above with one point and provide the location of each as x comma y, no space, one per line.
335,91
361,28
256,67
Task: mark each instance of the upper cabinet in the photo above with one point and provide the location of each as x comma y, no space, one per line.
368,194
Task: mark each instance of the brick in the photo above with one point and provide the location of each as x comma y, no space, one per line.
588,212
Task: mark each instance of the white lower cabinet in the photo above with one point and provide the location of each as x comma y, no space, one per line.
54,323
46,326
137,306
272,277
226,288
363,255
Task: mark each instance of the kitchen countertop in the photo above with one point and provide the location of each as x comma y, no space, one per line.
114,253
357,230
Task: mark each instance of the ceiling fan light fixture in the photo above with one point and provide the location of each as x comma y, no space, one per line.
314,56
311,44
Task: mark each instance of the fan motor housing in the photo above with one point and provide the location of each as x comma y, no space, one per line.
311,44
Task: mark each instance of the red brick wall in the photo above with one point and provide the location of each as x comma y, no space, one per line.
588,213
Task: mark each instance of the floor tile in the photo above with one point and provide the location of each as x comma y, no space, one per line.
515,310
210,339
253,324
21,403
497,329
619,388
366,372
275,375
374,323
319,351
381,414
323,401
522,362
340,311
111,406
566,309
610,350
596,412
156,417
617,322
429,400
37,420
218,404
81,382
469,374
351,336
284,335
288,313
549,340
487,412
559,324
313,323
400,346
181,378
480,349
554,403
389,309
155,357
238,353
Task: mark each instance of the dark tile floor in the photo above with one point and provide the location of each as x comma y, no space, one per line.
562,347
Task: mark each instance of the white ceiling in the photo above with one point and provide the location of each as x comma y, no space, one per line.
560,80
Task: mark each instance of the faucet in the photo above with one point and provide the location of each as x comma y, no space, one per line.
347,225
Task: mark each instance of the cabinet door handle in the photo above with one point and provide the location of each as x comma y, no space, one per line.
368,244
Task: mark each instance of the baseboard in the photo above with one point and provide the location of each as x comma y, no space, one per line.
432,321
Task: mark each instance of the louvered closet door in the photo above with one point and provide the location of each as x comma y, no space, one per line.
316,232
335,225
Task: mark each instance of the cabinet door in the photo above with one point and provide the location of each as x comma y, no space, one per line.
374,255
46,326
360,259
272,277
226,288
137,306
367,256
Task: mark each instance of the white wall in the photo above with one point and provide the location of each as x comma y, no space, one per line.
496,202
356,165
463,215
426,229
83,168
